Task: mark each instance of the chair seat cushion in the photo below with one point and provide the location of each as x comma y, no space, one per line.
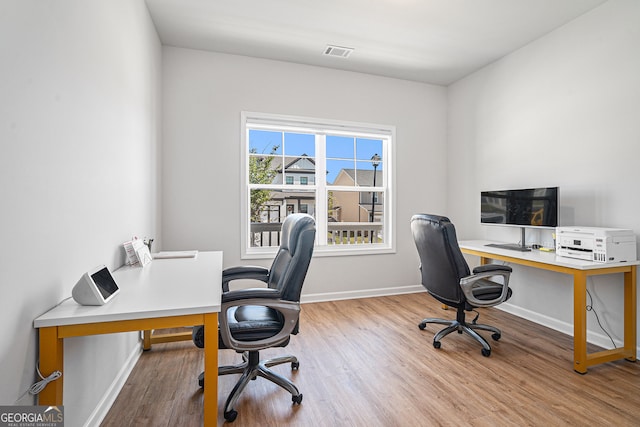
247,323
488,290
251,323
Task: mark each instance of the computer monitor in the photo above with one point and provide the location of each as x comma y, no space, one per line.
531,207
524,208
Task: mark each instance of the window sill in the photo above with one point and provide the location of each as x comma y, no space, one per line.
322,252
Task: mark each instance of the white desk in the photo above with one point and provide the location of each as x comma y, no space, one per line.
580,270
168,293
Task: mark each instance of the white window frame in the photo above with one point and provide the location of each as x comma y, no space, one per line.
276,122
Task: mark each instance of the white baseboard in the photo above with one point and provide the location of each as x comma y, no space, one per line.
366,293
599,339
541,319
112,392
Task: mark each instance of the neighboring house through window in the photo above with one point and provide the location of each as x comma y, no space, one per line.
338,172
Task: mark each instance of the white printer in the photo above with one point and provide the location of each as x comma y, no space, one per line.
596,244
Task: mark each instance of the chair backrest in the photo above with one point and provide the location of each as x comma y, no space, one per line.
441,262
291,263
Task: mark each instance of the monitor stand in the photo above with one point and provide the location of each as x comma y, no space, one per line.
513,246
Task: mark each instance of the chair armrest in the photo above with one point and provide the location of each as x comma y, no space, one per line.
250,272
491,267
482,278
290,311
240,294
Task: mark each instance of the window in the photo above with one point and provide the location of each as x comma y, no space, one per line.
338,172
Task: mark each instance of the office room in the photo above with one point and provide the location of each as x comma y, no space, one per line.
108,133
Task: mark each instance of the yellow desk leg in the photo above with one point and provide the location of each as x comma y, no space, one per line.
146,340
210,369
51,359
580,322
630,308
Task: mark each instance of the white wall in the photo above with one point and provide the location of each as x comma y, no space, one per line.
79,125
563,111
203,95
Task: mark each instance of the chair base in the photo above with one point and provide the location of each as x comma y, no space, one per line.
251,368
460,325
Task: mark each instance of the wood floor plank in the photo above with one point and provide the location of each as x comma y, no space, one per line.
364,362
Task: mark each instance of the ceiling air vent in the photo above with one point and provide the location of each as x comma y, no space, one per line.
339,51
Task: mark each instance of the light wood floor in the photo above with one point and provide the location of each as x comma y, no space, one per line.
365,363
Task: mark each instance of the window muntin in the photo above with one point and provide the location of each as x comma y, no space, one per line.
346,166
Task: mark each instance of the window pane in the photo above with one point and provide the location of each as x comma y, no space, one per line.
367,148
299,144
268,210
263,169
350,215
340,147
340,172
265,142
298,169
365,174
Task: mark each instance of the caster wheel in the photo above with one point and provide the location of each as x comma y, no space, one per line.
231,415
422,326
437,344
486,353
496,336
201,380
297,399
295,365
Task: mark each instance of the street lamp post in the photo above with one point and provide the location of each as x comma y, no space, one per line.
375,161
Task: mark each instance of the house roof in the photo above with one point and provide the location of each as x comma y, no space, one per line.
364,176
290,161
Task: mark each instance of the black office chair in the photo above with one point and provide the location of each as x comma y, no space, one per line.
258,318
446,276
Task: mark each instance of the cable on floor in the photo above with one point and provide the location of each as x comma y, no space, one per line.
40,385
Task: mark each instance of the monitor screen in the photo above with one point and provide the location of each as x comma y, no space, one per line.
532,207
105,283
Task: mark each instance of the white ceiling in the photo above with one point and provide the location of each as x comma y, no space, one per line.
432,41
